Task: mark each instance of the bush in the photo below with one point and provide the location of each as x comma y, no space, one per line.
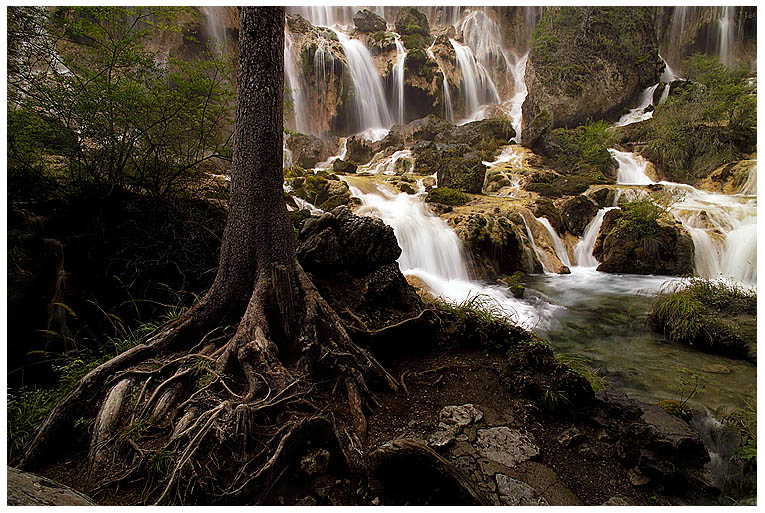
584,148
640,219
705,123
712,315
447,196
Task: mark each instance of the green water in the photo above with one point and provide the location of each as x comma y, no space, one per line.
605,317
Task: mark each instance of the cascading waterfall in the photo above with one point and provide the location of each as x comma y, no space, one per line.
544,259
216,27
631,169
381,164
583,248
449,113
398,79
369,95
639,113
325,15
478,87
432,252
295,85
726,34
750,186
560,248
521,91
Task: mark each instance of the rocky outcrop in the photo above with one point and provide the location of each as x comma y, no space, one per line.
323,190
577,214
308,150
25,489
634,246
410,21
367,21
588,63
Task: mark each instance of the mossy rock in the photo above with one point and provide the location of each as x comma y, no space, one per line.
344,167
367,21
411,21
447,196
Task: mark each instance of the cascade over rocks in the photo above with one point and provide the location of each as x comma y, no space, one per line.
574,75
667,250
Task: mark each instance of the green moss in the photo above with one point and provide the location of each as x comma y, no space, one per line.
447,196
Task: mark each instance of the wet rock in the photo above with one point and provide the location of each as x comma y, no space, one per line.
344,167
308,150
641,247
602,196
577,213
506,446
442,438
25,489
570,437
618,500
411,21
360,150
517,493
367,21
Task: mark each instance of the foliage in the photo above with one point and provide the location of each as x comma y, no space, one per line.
693,312
691,383
745,421
584,148
447,196
675,408
640,218
705,123
582,365
86,87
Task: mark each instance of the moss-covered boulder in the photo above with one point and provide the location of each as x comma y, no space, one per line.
367,21
381,42
577,214
711,316
589,63
640,239
544,207
456,165
411,21
344,167
447,196
324,190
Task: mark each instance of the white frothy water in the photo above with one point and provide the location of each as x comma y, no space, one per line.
477,85
340,156
560,248
369,95
381,164
432,252
638,113
583,248
398,79
449,113
631,168
295,84
521,91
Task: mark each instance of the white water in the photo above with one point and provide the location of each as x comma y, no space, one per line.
340,156
560,248
449,113
295,84
432,252
583,248
477,86
216,27
398,79
521,91
544,259
369,95
638,113
380,164
631,168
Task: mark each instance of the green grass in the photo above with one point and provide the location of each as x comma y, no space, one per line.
447,196
582,365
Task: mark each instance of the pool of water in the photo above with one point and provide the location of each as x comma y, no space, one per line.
605,317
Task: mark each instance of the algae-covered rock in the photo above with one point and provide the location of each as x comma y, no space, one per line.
577,214
324,190
588,63
367,21
411,21
344,166
447,196
637,240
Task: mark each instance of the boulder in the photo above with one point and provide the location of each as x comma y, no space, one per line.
25,489
344,167
360,150
506,446
307,150
577,214
341,239
588,63
411,21
367,21
625,245
324,190
517,493
544,207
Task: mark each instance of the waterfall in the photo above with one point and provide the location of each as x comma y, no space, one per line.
387,165
478,87
560,248
294,80
544,259
216,28
726,34
325,15
432,252
448,112
521,91
750,186
638,113
724,232
398,79
369,94
631,168
583,248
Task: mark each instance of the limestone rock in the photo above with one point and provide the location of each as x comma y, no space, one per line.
25,489
459,416
411,21
506,446
577,213
517,493
570,436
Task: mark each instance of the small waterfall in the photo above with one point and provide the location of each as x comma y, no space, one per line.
631,168
583,248
340,156
295,83
386,165
398,79
521,91
560,248
750,186
544,259
325,15
478,87
216,28
638,113
726,34
369,94
724,232
432,252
